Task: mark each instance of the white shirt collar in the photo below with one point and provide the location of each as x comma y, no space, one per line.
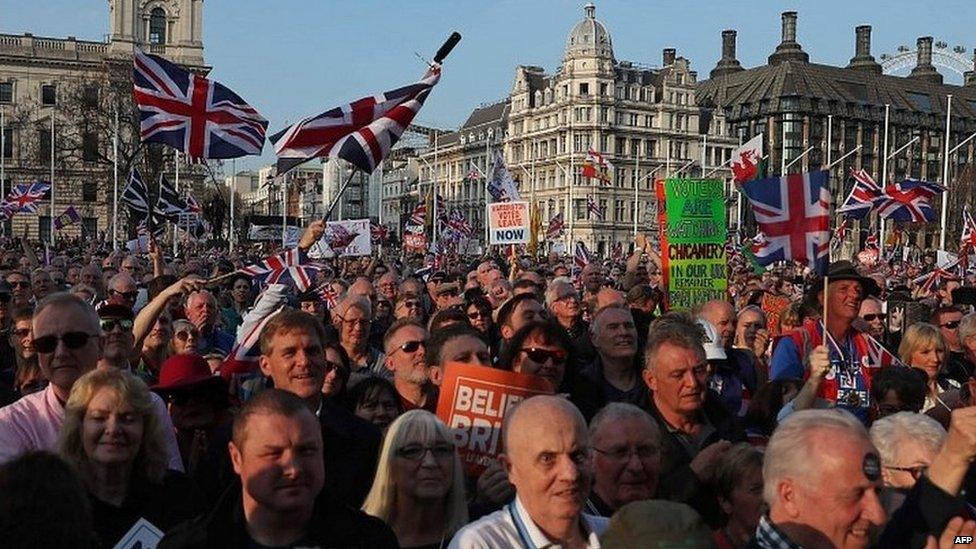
539,539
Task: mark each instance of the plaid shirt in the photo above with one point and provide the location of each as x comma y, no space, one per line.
770,537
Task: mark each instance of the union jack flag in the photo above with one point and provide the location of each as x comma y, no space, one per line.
758,242
581,256
617,250
459,223
591,206
596,166
378,233
881,357
200,117
152,223
288,266
361,132
24,198
908,201
929,281
419,216
871,242
862,197
247,348
136,193
556,226
329,296
840,233
473,174
792,212
968,237
442,210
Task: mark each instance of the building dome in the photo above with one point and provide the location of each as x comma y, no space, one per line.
589,38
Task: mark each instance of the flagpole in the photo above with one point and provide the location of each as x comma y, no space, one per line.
436,226
490,134
945,172
782,147
3,155
572,184
636,186
176,162
379,215
52,178
284,209
233,184
115,179
884,179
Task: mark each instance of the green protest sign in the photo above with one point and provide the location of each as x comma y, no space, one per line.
693,232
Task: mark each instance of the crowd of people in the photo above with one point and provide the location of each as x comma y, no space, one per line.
799,412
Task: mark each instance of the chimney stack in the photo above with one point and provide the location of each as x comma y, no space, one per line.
789,49
969,77
728,64
924,70
863,60
669,55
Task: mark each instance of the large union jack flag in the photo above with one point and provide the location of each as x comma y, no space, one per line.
792,212
25,198
458,223
967,240
288,266
862,197
361,133
200,117
556,226
908,201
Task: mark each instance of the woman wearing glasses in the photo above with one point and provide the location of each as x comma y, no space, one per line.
186,338
114,441
352,319
923,347
539,348
907,443
419,486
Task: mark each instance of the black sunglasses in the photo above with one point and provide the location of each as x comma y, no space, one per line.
110,324
72,340
952,324
411,346
873,317
127,295
541,355
19,284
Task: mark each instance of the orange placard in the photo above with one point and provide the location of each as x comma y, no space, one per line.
473,402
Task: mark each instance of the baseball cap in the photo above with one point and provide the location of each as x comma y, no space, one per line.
711,342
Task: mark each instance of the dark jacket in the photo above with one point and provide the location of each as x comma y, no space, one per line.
332,525
678,482
351,447
163,504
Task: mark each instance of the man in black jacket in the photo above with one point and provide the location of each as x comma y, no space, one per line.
277,453
695,429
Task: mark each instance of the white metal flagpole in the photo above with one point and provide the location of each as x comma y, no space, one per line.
115,179
284,209
176,162
52,179
636,186
945,173
884,172
233,185
3,150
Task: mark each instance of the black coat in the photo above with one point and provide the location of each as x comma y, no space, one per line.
351,447
677,481
332,525
163,504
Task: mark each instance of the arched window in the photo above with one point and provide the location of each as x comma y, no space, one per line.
157,26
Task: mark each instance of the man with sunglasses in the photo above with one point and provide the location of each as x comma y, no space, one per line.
957,367
405,345
871,312
122,289
69,343
20,289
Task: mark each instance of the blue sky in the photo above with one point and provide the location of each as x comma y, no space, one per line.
293,58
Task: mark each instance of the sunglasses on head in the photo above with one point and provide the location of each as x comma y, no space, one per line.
72,340
541,355
110,324
952,324
873,317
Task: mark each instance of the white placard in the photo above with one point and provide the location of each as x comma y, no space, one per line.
508,223
142,535
348,238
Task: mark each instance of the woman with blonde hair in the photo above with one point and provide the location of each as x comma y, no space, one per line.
419,486
113,439
923,347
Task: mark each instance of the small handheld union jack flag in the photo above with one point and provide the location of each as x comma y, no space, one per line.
556,226
908,201
862,197
288,266
200,117
967,240
378,234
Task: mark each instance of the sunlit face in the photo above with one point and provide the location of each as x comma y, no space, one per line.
912,458
928,357
296,363
541,358
678,378
627,461
748,325
745,504
354,327
845,298
241,290
112,430
24,337
186,338
201,310
949,325
722,316
614,334
65,364
427,479
529,310
872,314
406,355
333,383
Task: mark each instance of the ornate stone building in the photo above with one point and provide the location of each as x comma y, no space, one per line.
79,85
827,112
645,121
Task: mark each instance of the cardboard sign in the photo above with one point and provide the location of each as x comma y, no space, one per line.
142,535
273,232
415,242
693,233
473,402
508,223
348,238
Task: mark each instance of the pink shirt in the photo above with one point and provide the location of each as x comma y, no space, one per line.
33,422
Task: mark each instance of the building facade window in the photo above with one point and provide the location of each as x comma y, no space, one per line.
157,26
49,94
8,143
89,228
89,147
44,145
89,191
6,92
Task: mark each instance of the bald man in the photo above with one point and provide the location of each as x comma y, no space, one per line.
547,460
